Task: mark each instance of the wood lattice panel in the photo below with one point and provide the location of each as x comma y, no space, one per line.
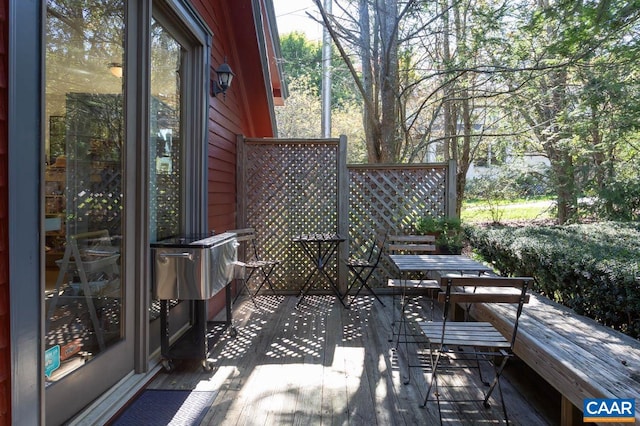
392,198
94,197
166,203
290,189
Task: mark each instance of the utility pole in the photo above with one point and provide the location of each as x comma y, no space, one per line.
326,76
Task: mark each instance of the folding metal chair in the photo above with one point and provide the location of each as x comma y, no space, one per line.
410,286
363,268
467,343
252,263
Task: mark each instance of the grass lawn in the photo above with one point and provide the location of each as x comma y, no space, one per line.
481,211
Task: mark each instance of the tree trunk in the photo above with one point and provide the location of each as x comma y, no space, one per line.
388,13
563,172
448,107
369,116
562,162
464,156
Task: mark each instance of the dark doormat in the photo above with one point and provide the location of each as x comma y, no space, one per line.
155,407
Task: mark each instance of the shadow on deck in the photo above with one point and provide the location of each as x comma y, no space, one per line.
323,364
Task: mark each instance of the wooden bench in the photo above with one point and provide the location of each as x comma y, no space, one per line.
579,357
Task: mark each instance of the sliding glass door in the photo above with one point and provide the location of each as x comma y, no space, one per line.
85,295
95,197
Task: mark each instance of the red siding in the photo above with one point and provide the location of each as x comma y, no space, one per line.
243,110
5,349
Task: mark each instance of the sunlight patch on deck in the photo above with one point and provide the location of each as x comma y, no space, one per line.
214,383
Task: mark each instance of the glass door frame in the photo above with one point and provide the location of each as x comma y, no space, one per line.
25,96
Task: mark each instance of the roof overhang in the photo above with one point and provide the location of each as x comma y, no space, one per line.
259,47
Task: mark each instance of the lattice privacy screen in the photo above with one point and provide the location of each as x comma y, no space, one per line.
392,198
290,188
94,197
287,188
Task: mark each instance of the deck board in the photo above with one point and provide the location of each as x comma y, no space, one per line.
323,364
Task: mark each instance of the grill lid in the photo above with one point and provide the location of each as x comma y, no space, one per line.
193,241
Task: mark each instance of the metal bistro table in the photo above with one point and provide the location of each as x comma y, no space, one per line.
320,248
428,264
438,263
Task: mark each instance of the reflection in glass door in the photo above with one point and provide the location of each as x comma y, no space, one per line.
165,144
83,184
166,151
83,201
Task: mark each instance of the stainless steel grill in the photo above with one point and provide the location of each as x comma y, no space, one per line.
192,267
195,269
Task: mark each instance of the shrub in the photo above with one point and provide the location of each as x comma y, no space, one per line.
447,230
591,268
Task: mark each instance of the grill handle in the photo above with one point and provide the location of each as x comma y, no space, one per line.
180,255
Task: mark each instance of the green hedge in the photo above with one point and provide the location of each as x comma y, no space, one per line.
591,268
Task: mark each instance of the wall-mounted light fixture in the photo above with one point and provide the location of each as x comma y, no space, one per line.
115,68
223,82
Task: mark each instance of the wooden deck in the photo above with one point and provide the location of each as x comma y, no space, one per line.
323,364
